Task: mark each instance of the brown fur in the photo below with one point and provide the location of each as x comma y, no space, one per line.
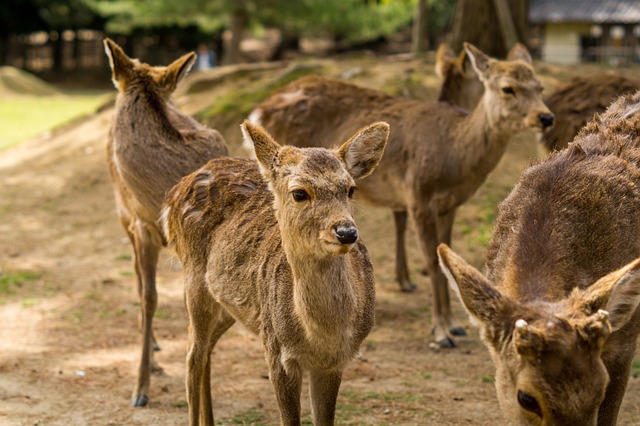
460,83
151,146
578,100
436,158
568,223
253,253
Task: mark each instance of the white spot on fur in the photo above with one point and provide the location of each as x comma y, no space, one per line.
164,221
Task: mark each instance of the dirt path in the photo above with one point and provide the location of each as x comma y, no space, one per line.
68,312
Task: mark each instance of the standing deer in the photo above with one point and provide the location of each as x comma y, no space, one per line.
437,156
151,146
280,253
561,327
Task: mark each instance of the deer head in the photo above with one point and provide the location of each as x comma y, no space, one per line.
313,187
127,72
512,92
549,369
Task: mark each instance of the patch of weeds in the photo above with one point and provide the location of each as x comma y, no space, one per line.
462,382
27,303
408,86
126,273
180,404
346,412
120,312
635,367
409,384
92,295
78,315
8,282
124,256
249,417
424,374
160,314
414,313
488,379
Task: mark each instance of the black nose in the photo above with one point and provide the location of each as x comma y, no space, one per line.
346,234
546,120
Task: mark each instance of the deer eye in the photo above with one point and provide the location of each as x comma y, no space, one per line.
529,403
508,90
352,190
299,195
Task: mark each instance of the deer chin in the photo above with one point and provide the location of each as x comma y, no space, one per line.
335,248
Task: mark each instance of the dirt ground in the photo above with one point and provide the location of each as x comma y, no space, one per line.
68,307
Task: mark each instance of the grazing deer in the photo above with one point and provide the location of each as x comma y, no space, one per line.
280,253
561,327
437,156
576,101
460,83
151,146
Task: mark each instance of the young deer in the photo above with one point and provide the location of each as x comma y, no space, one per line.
151,146
280,253
561,327
437,156
460,83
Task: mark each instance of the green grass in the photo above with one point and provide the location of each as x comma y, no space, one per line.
8,282
24,117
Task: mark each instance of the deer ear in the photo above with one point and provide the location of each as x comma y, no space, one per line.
265,147
363,151
519,51
178,69
445,57
485,304
479,60
121,65
618,293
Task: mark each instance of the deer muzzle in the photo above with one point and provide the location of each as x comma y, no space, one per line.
345,232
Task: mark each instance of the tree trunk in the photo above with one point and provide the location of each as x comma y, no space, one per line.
478,22
288,41
239,22
420,42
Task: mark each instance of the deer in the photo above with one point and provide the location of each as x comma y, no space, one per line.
460,83
151,146
576,101
557,306
437,155
273,245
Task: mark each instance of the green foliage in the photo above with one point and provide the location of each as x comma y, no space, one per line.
8,282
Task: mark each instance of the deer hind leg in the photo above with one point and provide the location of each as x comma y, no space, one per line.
147,244
444,225
324,387
208,320
428,238
402,271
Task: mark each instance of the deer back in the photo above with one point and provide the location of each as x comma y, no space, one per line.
558,306
151,143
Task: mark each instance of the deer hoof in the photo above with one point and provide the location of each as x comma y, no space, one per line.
139,401
156,347
458,331
408,288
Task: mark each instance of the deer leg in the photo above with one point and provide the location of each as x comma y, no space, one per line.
324,387
428,238
286,383
402,271
147,246
444,225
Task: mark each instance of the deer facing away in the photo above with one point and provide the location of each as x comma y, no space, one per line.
151,146
280,253
558,307
437,155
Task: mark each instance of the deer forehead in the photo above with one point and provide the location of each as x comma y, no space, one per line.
318,169
517,71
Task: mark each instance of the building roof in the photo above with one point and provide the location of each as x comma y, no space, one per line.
596,11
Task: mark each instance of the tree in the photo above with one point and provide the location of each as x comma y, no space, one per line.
420,35
492,25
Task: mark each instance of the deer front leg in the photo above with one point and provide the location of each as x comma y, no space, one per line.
323,388
146,249
402,271
444,226
427,235
286,383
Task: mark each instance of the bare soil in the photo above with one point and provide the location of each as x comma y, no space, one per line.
68,307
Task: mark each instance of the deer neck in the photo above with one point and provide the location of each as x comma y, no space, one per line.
323,296
479,142
141,110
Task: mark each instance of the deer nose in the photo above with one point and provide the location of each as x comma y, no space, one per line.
546,120
346,233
